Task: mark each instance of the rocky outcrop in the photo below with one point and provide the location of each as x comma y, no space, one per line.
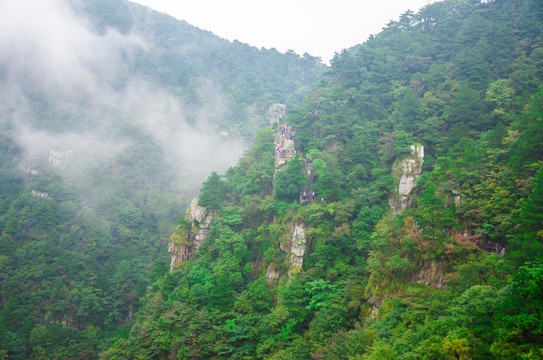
430,274
188,237
29,170
56,158
284,150
39,194
450,190
196,213
272,273
276,114
295,247
284,145
406,169
288,149
458,200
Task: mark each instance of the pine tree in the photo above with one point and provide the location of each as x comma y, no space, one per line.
212,192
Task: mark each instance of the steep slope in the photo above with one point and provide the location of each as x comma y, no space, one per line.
461,79
111,116
180,57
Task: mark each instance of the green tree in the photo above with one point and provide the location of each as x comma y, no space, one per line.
520,316
402,143
288,181
527,130
464,113
435,218
528,243
326,186
212,192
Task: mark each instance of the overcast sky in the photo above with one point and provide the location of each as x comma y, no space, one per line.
318,27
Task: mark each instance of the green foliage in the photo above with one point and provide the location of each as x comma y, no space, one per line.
460,78
402,143
520,315
327,185
320,291
528,244
434,217
212,192
526,134
287,182
254,173
231,216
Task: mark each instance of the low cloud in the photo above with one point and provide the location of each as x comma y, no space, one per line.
61,80
46,43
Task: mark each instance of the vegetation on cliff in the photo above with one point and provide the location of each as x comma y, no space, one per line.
456,276
462,78
110,116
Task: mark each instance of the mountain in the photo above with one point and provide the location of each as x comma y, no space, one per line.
111,116
401,221
394,213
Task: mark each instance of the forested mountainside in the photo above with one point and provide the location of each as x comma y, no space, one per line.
111,116
183,58
397,214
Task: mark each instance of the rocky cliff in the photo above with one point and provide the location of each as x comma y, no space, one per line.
450,190
39,194
276,114
188,237
406,169
56,158
295,247
430,274
285,150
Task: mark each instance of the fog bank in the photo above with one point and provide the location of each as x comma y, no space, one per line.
69,88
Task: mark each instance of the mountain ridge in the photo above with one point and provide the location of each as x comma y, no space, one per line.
454,274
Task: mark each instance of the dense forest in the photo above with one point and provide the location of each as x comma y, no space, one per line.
395,213
111,117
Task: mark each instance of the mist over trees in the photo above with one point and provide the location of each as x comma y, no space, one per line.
111,117
105,139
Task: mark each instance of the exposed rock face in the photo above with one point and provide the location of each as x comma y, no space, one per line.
180,253
195,212
57,157
185,241
279,158
40,194
272,273
407,169
376,305
288,149
29,170
450,190
430,274
288,152
277,113
295,247
458,200
285,149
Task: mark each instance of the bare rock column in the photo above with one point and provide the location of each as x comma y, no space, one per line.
407,169
188,237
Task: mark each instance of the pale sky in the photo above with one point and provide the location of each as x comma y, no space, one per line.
318,27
